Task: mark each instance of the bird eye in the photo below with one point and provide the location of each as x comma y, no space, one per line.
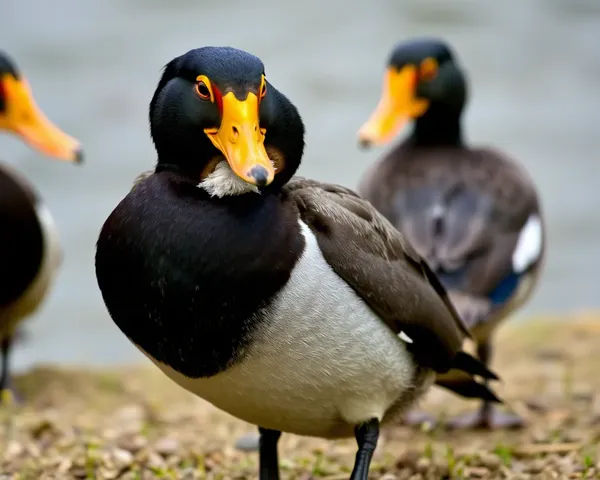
428,69
203,90
263,87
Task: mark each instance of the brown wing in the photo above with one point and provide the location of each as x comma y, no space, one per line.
463,210
141,177
365,250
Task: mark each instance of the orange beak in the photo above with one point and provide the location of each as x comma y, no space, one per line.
398,104
241,140
23,117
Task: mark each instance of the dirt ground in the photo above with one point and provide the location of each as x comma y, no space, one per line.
133,423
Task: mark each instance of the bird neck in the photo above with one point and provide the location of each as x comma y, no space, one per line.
439,126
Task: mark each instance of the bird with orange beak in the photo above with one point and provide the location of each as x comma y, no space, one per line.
289,303
30,252
472,212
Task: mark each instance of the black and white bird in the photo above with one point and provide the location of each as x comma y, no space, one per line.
30,251
288,303
472,213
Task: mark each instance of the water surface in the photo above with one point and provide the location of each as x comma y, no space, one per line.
535,91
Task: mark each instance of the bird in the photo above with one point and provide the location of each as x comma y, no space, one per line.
472,212
30,250
288,303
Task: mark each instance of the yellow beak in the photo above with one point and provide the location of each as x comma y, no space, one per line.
241,140
397,105
23,117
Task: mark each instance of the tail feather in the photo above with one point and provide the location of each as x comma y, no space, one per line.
469,364
469,389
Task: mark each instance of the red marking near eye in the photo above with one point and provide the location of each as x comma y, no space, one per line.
218,98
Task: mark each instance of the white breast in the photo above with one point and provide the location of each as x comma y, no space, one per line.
321,364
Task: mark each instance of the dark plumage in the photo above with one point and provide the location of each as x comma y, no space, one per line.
472,212
264,294
29,247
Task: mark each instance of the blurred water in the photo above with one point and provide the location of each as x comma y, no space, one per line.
93,66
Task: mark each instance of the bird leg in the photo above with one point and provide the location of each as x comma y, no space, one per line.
367,435
488,416
267,451
7,394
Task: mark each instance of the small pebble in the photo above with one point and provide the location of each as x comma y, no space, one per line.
188,474
133,443
540,436
477,472
108,474
122,458
535,466
166,446
148,475
33,451
404,474
408,459
571,437
388,476
520,476
423,464
64,465
13,450
154,460
545,475
489,460
537,405
130,413
79,472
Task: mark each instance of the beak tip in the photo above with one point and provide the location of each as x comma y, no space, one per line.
260,175
364,143
79,156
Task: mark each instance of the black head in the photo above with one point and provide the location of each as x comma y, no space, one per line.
20,115
214,112
7,66
422,76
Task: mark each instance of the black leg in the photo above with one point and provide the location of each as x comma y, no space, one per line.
367,435
484,352
8,395
268,461
4,351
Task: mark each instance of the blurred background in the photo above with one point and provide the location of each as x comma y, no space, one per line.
534,70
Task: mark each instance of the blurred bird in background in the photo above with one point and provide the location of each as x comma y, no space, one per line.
30,252
472,212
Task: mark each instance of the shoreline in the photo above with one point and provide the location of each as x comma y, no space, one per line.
131,422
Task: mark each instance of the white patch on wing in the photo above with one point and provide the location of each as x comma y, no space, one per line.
405,337
39,288
52,250
320,363
222,182
529,245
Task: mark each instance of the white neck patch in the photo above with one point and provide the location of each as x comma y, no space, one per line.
222,182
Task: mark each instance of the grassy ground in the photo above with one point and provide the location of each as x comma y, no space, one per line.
132,423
